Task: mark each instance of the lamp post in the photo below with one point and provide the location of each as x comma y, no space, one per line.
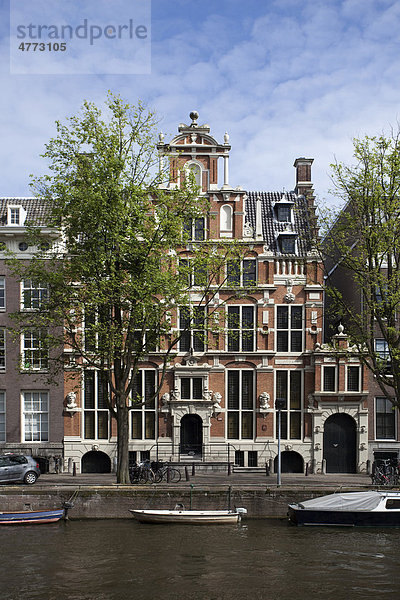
280,403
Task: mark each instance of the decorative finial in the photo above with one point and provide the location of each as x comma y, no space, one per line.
340,328
161,136
194,115
226,137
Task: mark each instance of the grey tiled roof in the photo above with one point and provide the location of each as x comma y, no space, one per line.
37,210
271,227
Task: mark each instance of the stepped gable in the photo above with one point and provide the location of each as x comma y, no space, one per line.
271,227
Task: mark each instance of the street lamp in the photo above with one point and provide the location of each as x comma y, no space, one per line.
280,404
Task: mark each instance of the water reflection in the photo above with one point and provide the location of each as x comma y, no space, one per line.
103,560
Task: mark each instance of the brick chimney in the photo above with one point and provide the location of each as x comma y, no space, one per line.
304,187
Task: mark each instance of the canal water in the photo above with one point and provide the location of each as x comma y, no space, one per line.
258,559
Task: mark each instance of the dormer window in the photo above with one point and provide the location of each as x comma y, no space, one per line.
287,243
16,215
283,213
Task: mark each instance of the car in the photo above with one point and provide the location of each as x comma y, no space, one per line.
18,468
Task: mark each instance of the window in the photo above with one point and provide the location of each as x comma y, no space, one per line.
289,325
195,169
192,329
96,326
226,218
143,417
353,379
240,420
383,354
385,428
2,349
2,293
329,374
288,389
33,295
283,213
287,244
191,388
2,416
14,215
95,408
241,328
36,416
192,274
35,352
241,273
194,229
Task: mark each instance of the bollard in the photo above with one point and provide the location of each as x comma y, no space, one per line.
267,472
168,474
306,473
271,465
323,466
187,474
74,469
369,469
229,468
193,470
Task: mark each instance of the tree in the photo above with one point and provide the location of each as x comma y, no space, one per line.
362,257
113,276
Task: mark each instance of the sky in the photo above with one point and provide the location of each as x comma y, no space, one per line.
285,79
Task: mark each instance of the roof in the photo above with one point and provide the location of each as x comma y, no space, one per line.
271,228
37,209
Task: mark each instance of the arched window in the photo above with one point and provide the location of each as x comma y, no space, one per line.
226,218
196,170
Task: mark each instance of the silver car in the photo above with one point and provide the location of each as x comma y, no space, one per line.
18,468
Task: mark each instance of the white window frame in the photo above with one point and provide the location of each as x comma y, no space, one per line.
240,329
335,387
387,439
240,265
240,410
358,391
39,352
3,416
289,328
38,295
96,410
2,349
35,421
192,329
2,293
289,410
144,410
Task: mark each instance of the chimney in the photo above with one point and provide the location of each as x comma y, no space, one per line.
304,187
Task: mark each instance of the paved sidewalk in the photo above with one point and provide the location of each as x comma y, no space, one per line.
288,480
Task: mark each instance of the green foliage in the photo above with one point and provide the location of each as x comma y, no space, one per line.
362,255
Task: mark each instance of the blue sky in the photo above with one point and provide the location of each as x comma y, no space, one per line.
285,78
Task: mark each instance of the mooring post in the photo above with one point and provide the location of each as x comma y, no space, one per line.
191,491
187,477
229,497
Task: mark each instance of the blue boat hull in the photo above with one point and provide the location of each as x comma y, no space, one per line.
31,517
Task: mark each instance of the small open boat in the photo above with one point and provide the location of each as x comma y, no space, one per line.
189,517
363,509
31,517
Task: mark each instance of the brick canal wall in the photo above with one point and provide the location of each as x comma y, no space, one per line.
114,502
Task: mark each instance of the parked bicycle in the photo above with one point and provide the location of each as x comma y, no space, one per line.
164,472
385,472
141,473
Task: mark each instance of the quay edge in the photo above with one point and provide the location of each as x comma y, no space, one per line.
114,502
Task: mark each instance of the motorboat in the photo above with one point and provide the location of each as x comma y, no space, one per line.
189,517
363,509
32,517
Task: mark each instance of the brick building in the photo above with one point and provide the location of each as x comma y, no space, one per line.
217,402
30,406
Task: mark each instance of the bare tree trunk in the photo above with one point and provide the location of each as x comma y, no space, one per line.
123,445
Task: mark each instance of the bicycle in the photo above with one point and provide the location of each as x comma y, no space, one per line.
385,473
167,473
141,473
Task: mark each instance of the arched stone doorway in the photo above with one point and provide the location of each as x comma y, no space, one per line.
291,462
192,435
96,461
340,444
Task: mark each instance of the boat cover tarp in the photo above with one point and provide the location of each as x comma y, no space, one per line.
353,501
